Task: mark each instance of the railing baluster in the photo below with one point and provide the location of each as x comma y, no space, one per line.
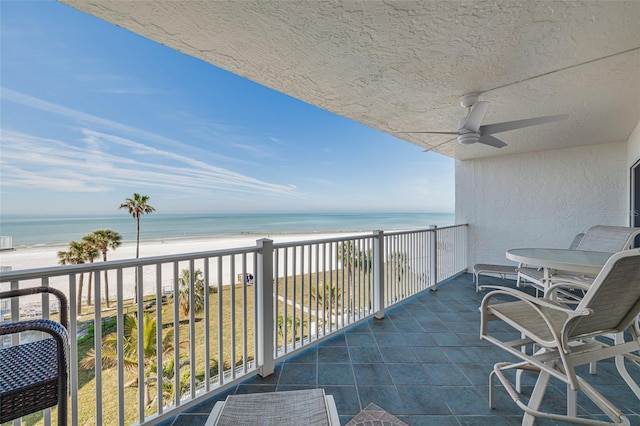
176,333
140,316
159,360
192,328
220,325
45,314
285,307
310,263
232,302
207,327
256,337
120,344
97,344
378,274
321,288
266,347
73,349
245,326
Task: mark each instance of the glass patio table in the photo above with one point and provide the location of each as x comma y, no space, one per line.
579,261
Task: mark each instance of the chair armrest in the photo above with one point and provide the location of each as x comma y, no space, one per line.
62,299
531,299
45,325
559,334
567,284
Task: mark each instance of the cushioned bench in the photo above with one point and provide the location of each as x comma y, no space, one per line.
303,407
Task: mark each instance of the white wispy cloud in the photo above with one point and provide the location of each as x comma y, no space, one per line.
104,124
276,140
32,161
107,154
254,150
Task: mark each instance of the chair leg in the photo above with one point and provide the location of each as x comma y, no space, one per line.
572,402
536,397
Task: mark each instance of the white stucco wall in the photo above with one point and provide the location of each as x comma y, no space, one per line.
633,156
540,199
633,151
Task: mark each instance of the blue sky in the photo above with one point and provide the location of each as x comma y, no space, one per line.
90,113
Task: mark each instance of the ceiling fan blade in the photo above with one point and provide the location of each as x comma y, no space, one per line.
434,133
440,144
491,141
491,129
474,119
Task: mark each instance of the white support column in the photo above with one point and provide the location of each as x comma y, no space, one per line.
378,274
264,307
433,258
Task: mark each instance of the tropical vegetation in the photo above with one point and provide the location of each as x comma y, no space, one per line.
137,206
184,290
130,357
79,252
103,240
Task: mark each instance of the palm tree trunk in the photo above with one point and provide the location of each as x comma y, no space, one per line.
80,284
137,237
89,288
106,280
106,288
135,288
147,393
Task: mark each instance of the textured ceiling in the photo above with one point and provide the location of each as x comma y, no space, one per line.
403,65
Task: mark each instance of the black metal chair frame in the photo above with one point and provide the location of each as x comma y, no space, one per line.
28,380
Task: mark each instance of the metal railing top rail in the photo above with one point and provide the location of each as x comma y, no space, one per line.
363,235
345,237
413,231
53,271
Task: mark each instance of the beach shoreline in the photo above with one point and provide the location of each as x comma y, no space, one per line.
42,256
47,256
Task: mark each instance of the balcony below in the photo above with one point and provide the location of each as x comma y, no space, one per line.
425,364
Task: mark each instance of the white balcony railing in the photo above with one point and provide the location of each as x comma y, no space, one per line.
252,307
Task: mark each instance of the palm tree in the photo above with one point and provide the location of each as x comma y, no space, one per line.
325,295
137,206
130,353
289,326
183,293
400,266
349,256
78,253
105,239
365,264
91,252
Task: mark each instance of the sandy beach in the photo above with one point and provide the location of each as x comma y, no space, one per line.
46,256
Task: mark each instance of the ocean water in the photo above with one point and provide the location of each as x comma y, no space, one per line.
39,230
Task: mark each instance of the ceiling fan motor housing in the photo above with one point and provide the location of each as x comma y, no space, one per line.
468,138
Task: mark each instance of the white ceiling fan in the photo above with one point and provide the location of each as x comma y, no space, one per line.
470,130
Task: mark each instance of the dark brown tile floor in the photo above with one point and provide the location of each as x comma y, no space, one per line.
425,364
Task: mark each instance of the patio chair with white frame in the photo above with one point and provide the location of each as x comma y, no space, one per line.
567,337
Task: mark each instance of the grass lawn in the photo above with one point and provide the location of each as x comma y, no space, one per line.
298,290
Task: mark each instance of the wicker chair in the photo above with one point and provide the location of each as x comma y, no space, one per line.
33,376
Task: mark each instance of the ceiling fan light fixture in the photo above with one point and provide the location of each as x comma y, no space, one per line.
468,138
